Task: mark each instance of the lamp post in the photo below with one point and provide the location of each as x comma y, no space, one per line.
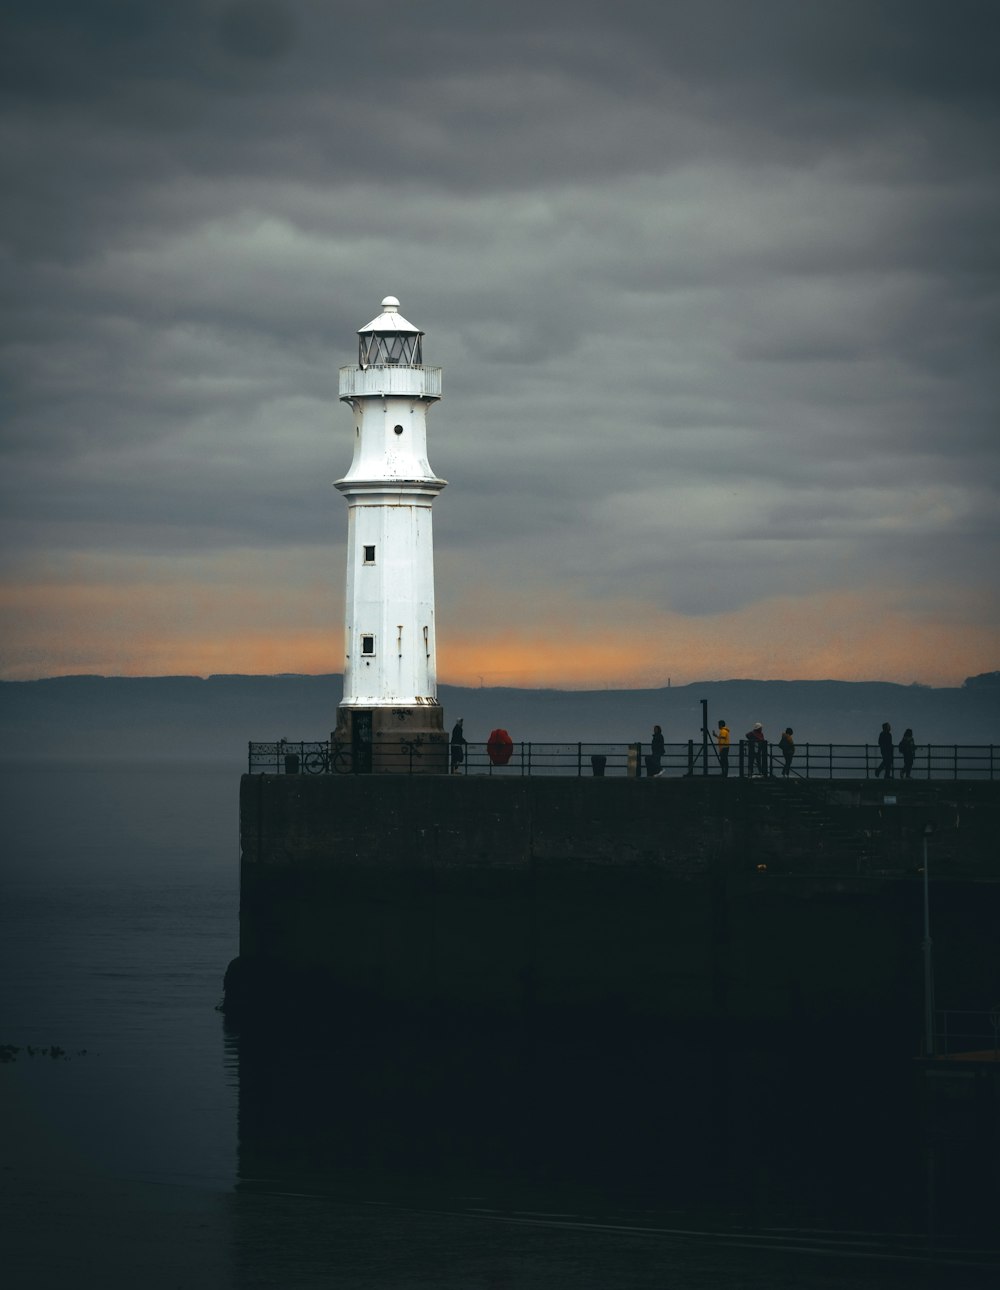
928,962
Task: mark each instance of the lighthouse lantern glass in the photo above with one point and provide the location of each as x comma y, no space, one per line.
390,349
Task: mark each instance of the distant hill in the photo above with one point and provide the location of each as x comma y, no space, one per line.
196,719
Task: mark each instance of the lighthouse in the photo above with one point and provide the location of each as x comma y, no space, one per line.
389,715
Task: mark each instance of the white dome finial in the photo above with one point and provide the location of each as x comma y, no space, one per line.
390,305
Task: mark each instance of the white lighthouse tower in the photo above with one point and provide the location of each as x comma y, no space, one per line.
389,714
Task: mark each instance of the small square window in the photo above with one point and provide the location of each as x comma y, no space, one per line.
367,645
369,555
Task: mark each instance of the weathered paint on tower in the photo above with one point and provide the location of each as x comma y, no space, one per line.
390,669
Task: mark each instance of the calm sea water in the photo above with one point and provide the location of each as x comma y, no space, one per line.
154,1149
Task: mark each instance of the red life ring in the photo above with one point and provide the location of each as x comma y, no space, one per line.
499,746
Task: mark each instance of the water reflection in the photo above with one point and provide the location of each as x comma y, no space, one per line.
790,1146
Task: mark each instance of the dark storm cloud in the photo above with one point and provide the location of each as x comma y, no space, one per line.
138,93
723,274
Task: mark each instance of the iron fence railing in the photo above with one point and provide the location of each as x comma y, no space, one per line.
634,760
967,1032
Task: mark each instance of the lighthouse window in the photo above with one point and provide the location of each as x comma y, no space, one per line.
397,429
367,645
369,555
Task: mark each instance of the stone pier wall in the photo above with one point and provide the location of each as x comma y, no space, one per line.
696,901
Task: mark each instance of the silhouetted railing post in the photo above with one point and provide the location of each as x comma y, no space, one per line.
704,736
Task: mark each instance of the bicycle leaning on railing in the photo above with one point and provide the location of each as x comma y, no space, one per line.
308,757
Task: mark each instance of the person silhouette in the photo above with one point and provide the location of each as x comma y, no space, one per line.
908,749
886,749
657,747
757,742
458,742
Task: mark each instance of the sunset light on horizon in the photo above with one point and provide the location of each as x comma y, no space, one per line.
163,632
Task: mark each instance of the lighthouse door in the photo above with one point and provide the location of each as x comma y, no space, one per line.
361,742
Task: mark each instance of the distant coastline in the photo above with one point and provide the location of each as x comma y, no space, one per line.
214,718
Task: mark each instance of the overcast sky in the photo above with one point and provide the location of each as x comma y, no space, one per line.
714,286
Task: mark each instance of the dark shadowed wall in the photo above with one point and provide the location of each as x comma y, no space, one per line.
698,901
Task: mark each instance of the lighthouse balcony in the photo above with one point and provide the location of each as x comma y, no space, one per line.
390,380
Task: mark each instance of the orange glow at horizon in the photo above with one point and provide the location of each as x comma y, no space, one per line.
149,629
687,651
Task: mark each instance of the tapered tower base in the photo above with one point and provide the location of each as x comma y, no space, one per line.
393,741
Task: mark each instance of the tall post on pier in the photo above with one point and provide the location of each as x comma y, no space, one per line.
704,736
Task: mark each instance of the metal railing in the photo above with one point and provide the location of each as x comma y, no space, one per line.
967,1032
632,760
864,761
329,757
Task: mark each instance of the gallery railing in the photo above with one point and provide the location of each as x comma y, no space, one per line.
633,760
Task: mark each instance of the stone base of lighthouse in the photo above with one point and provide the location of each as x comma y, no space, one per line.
404,740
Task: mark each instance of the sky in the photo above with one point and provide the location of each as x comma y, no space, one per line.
714,287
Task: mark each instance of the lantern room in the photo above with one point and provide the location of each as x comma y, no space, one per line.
389,340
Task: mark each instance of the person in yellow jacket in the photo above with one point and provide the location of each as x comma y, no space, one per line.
723,742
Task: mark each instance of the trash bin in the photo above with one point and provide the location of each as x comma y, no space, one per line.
291,763
598,763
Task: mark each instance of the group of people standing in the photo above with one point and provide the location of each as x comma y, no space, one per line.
756,741
907,750
757,761
757,746
499,747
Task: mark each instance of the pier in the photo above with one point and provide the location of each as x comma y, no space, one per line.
539,900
